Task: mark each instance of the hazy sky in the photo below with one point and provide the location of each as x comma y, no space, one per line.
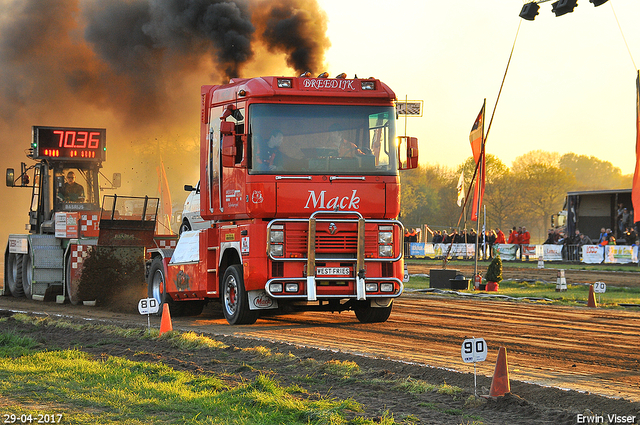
570,85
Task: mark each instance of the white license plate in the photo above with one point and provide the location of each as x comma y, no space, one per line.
333,271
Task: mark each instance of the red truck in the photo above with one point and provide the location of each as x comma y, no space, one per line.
299,179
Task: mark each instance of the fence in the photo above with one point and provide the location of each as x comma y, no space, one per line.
591,254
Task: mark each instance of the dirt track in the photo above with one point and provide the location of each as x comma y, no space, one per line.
589,350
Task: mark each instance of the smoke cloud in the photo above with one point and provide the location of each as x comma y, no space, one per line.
135,68
131,57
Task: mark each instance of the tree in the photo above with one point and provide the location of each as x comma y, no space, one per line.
593,173
498,188
541,190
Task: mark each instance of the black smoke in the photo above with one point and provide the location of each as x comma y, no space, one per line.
130,57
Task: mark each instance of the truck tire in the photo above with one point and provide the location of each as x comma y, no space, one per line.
184,227
27,276
235,302
156,284
367,314
14,275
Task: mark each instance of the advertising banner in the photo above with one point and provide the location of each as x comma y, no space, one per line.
552,252
592,254
507,252
620,254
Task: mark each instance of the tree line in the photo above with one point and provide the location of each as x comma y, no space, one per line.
525,194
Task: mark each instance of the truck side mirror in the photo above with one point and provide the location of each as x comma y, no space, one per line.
10,177
117,180
411,157
227,129
189,188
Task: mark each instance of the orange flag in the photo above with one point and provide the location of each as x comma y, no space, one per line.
476,137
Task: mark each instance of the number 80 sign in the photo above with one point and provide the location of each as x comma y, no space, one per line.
474,350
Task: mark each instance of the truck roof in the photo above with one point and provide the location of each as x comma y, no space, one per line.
362,89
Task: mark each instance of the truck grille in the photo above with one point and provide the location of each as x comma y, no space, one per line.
343,243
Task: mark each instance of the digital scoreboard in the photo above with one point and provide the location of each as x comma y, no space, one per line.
68,143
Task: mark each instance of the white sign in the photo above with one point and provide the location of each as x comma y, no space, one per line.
148,306
474,350
409,108
599,287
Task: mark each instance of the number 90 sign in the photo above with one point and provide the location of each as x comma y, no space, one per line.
474,350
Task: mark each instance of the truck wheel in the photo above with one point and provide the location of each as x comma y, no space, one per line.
156,283
184,227
27,276
367,314
14,275
235,303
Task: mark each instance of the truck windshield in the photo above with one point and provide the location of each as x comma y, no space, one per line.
319,139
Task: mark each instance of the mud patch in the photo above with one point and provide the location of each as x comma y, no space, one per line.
114,277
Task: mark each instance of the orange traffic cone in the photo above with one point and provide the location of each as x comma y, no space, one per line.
165,322
592,298
500,382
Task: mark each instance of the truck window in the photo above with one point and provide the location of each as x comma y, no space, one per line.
320,139
74,188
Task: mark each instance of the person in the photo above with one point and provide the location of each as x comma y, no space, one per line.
269,156
551,237
584,240
608,239
72,191
500,239
525,237
345,148
624,221
513,236
603,235
630,236
491,240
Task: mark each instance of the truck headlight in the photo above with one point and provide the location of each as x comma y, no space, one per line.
276,250
385,238
291,287
277,235
385,250
385,241
371,287
386,287
275,287
276,241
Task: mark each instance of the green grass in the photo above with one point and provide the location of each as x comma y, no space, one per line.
78,389
575,294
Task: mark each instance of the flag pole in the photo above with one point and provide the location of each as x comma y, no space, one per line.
478,183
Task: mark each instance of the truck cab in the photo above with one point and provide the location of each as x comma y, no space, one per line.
299,177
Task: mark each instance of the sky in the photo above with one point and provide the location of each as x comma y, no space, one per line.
570,86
